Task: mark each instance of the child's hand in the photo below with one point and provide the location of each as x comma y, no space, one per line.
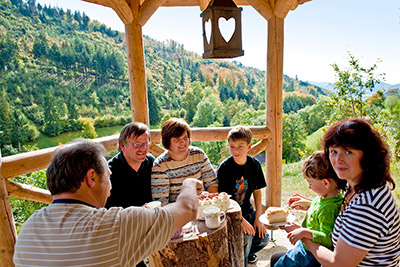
298,234
262,231
290,226
247,228
299,202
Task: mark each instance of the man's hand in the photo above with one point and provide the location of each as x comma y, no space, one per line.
198,184
185,207
247,228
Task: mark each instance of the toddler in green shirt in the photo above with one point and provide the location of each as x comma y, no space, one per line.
322,212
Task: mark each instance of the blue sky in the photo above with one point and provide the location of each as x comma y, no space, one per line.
317,34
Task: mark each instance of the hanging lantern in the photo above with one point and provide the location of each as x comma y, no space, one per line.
225,15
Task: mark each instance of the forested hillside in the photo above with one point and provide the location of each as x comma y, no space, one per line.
60,71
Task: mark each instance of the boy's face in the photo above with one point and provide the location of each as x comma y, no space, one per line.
239,150
318,186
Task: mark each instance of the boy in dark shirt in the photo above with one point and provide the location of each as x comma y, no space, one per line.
240,175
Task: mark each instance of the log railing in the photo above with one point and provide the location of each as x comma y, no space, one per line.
16,165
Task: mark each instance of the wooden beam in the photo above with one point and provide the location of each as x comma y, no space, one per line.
263,7
203,4
258,148
136,67
282,7
274,110
28,162
147,9
214,133
8,235
28,192
156,150
175,3
122,9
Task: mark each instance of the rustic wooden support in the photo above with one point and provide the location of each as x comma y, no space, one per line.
203,4
156,150
274,110
27,192
136,67
177,3
263,7
28,162
8,235
147,9
122,9
258,148
215,133
283,7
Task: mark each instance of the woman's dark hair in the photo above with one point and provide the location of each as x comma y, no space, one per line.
358,134
70,164
173,128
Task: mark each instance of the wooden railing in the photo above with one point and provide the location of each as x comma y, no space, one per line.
16,165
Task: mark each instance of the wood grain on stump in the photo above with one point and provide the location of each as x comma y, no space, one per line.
222,246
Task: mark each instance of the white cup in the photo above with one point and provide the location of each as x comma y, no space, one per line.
153,204
213,217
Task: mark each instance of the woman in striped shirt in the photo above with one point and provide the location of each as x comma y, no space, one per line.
179,162
367,230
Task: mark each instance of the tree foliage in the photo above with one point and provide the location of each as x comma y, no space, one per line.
293,137
351,87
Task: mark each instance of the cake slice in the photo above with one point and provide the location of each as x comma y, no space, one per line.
276,215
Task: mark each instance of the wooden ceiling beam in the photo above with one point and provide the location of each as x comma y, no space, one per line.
176,3
122,9
282,7
147,9
263,7
203,4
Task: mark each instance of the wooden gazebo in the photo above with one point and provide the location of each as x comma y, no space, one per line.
134,14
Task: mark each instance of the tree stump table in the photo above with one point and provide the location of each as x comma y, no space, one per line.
222,246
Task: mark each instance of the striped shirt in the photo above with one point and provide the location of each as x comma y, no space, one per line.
371,222
80,235
168,174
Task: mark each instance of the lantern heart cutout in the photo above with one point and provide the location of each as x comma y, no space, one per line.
226,28
207,27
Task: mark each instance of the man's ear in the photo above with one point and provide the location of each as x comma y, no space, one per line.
90,178
249,145
122,147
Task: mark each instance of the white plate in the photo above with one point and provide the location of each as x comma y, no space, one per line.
263,219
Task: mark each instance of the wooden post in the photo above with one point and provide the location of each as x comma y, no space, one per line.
136,67
8,235
274,111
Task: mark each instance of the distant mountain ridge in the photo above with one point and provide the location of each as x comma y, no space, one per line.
382,86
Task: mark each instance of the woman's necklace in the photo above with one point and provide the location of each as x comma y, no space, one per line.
346,201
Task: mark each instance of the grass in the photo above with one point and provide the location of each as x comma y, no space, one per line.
45,141
312,142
